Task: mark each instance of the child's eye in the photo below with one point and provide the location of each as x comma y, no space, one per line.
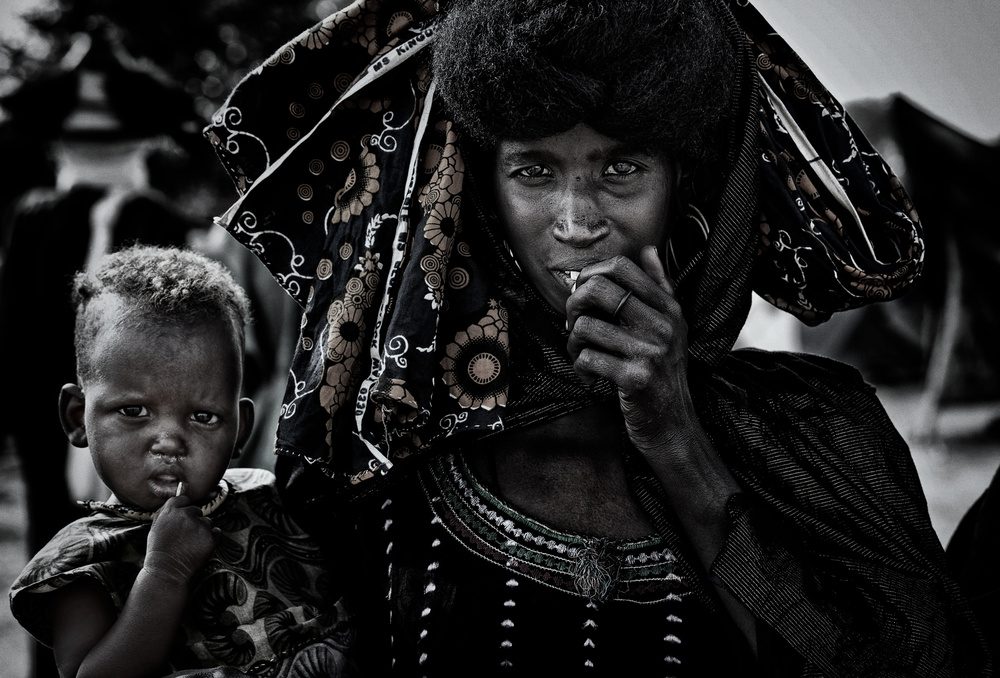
621,168
134,411
205,418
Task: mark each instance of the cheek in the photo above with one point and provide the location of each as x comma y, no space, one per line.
516,217
652,221
112,469
520,210
520,225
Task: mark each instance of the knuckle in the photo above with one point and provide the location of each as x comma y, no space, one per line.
604,289
586,359
619,263
626,381
584,327
589,288
668,329
639,379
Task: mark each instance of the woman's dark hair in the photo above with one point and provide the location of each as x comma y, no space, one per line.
657,73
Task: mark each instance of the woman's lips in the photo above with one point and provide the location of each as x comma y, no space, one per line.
568,277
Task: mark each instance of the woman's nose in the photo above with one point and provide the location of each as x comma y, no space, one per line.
578,220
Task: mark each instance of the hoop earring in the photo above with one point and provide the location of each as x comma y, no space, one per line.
693,221
510,253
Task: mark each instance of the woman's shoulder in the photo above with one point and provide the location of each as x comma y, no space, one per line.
784,405
748,379
755,364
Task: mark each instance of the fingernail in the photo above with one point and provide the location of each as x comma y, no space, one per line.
181,488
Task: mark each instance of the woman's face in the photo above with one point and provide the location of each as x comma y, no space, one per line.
576,198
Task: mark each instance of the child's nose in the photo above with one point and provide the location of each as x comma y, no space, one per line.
168,444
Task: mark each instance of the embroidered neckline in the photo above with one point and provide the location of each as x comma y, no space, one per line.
641,569
134,514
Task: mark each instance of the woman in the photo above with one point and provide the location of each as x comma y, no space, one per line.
524,236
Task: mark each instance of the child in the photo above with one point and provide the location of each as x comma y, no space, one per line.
187,565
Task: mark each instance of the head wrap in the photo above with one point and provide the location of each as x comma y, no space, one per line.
417,326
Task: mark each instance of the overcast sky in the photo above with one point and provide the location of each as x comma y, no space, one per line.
942,54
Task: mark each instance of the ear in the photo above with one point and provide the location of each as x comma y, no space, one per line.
246,425
71,409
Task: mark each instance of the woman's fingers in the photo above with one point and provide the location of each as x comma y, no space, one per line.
598,297
649,260
602,287
591,364
625,324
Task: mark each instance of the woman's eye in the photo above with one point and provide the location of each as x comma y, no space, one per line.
205,417
534,172
621,168
133,411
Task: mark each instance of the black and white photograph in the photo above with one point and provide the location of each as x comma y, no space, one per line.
363,338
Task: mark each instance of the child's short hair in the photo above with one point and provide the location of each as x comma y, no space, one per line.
159,284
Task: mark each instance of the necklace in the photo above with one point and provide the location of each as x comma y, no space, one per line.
134,514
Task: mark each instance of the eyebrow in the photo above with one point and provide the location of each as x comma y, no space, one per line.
520,157
534,155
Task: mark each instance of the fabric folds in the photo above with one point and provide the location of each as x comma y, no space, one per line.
831,545
355,192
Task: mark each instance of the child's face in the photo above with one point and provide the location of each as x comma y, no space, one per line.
162,407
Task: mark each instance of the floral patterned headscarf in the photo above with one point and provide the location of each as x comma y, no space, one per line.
417,325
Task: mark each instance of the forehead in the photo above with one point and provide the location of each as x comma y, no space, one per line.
121,335
582,143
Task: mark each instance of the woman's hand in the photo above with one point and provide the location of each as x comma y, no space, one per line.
642,349
180,540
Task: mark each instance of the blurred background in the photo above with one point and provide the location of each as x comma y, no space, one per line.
101,107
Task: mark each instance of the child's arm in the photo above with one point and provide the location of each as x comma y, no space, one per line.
87,638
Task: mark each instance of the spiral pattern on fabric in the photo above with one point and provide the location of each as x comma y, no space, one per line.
340,150
458,278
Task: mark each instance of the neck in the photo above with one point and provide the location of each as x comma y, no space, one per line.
567,473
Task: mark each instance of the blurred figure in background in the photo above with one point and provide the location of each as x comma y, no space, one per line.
102,116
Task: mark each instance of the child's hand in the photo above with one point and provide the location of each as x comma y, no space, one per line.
180,540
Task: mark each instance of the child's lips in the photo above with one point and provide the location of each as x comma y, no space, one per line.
165,484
